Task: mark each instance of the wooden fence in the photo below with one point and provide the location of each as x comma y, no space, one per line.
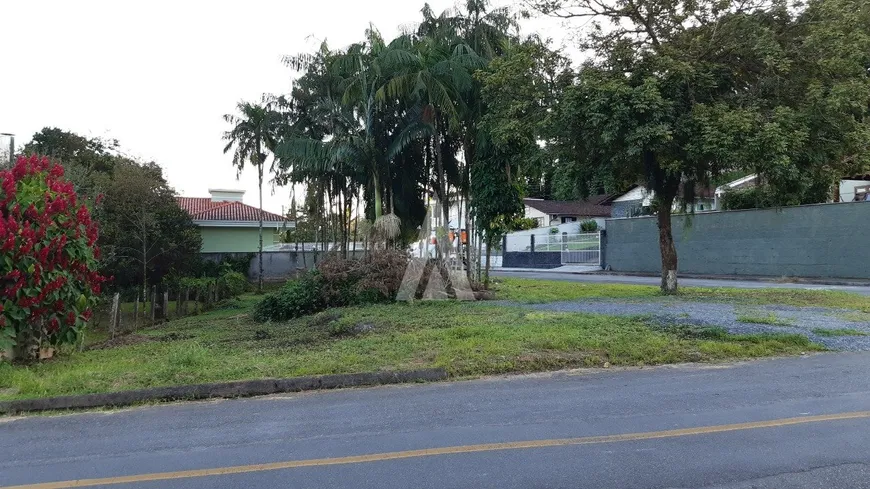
158,306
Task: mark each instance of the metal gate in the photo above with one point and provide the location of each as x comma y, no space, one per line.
581,249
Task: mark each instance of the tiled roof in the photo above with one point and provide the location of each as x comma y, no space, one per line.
583,208
203,209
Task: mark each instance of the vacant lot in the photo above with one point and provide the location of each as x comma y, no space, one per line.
467,339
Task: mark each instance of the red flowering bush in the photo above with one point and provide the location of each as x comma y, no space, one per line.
48,258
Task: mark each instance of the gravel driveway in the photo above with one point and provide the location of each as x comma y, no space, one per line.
801,320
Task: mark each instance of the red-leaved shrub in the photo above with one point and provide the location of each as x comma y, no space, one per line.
48,258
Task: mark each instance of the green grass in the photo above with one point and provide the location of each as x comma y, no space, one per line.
855,317
839,332
467,339
537,291
762,318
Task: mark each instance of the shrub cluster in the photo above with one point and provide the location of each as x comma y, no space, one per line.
337,282
588,226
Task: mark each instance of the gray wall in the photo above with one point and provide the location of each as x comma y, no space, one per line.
280,265
824,240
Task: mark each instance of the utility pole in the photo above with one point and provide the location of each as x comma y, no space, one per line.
11,147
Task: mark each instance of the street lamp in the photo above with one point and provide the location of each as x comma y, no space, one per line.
11,146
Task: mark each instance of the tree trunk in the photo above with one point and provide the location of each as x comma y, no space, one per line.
144,265
479,250
442,179
486,269
466,197
260,249
356,223
376,183
666,244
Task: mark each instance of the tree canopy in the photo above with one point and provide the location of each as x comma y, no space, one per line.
672,95
144,234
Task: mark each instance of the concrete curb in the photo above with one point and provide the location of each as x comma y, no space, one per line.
245,388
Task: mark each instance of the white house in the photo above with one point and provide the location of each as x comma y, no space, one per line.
555,212
850,188
638,198
854,187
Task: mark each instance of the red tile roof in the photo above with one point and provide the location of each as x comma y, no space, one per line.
203,209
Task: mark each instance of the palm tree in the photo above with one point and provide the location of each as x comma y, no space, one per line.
359,138
254,131
435,78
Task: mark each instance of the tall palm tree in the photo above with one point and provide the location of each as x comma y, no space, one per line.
253,133
435,77
353,143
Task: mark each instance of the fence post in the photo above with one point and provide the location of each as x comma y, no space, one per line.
114,314
153,302
166,306
186,300
178,305
136,313
532,241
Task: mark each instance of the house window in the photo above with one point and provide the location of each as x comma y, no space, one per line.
568,219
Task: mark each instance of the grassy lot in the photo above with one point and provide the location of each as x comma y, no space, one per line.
839,332
768,318
467,339
537,291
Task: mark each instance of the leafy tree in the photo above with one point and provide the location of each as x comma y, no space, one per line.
147,235
84,159
514,92
133,191
679,92
255,131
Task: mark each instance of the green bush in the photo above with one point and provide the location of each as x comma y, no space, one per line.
337,283
232,284
297,298
589,226
522,224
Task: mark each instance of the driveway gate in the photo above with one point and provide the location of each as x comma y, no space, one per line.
581,249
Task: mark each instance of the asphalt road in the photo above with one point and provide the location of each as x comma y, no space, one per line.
684,282
796,422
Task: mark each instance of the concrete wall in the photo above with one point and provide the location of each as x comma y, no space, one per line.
279,265
824,240
230,239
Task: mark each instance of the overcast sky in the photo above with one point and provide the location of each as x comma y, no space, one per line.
159,75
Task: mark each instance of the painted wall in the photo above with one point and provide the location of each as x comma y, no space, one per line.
542,218
229,239
822,240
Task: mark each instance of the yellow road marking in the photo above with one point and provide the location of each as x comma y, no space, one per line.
430,452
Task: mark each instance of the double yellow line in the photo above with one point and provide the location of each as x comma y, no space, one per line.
431,452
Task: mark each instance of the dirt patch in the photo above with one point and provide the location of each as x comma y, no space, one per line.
119,341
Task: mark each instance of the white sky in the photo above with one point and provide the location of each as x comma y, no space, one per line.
159,75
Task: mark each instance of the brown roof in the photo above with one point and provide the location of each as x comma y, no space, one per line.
204,209
590,207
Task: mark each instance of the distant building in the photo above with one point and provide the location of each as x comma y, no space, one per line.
637,202
555,212
229,225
